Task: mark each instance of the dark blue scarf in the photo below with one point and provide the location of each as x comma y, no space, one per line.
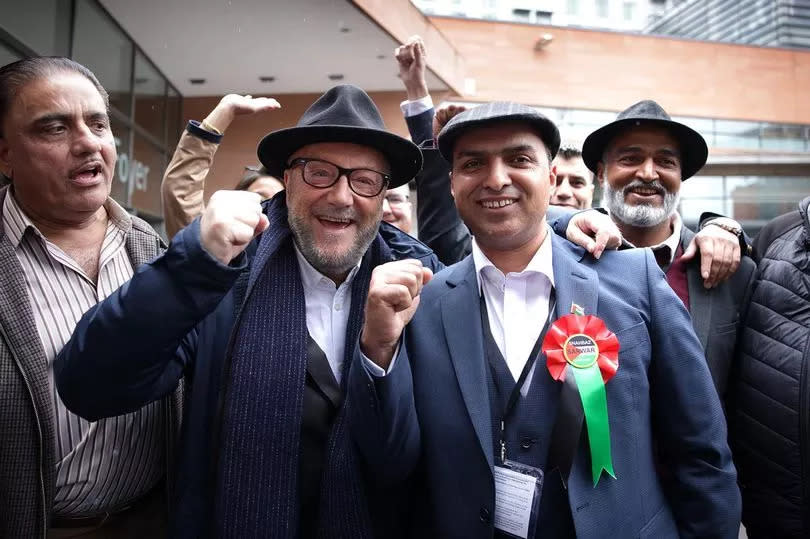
263,390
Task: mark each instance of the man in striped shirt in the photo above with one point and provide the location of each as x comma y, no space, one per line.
64,246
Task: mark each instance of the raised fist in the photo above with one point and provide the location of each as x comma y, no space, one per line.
230,222
393,296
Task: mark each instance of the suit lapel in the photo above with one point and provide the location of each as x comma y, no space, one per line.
573,282
462,327
700,299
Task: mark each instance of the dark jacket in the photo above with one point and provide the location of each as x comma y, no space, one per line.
27,416
717,313
172,321
770,422
433,411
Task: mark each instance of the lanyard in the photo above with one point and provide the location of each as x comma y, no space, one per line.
515,394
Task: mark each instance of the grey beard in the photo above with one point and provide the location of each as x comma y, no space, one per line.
326,262
640,215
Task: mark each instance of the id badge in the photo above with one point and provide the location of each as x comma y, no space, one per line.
518,488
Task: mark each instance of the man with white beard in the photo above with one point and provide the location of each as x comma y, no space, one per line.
641,159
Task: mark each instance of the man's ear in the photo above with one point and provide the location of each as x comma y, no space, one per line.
452,193
600,170
552,176
285,178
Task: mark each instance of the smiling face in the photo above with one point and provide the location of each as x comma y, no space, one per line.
58,149
333,226
641,171
501,181
397,208
574,188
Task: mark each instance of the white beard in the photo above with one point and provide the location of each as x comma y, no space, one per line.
639,215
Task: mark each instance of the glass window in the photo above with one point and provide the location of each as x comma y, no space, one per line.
703,187
100,45
42,25
735,127
761,198
7,55
174,122
542,17
146,172
692,208
572,7
150,97
739,142
123,169
602,8
521,14
628,10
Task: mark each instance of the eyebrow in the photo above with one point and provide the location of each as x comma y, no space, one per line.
507,150
57,117
663,151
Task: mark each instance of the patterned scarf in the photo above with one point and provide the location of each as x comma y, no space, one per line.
262,403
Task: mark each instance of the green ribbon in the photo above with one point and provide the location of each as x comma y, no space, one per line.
594,403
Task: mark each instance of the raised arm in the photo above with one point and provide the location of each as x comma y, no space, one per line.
183,183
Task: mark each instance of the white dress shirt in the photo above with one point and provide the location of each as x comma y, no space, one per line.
416,107
517,304
105,464
328,308
672,242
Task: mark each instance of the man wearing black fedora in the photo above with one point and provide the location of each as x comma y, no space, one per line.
531,383
641,159
255,308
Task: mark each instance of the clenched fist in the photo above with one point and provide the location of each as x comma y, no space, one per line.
393,296
231,220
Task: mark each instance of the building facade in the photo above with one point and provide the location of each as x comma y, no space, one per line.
145,108
621,15
749,102
770,23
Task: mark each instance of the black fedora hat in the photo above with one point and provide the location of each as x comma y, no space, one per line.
692,145
497,112
343,114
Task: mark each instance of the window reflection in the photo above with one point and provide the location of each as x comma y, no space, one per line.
150,96
100,45
41,25
147,165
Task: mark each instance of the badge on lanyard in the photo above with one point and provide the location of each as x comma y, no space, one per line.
583,347
518,488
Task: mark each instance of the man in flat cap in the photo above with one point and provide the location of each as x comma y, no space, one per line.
642,158
527,390
259,329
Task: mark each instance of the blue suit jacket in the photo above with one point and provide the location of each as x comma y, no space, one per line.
430,416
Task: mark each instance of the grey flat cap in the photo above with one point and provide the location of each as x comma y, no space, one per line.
497,112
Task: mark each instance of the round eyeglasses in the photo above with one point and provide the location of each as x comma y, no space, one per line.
322,174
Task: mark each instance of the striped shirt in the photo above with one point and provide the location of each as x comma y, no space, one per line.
104,465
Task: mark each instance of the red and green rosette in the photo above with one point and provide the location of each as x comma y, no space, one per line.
583,347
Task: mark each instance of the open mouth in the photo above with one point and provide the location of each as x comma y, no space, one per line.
646,191
87,175
334,223
497,204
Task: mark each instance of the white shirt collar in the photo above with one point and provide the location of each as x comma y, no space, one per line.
312,278
674,239
541,262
